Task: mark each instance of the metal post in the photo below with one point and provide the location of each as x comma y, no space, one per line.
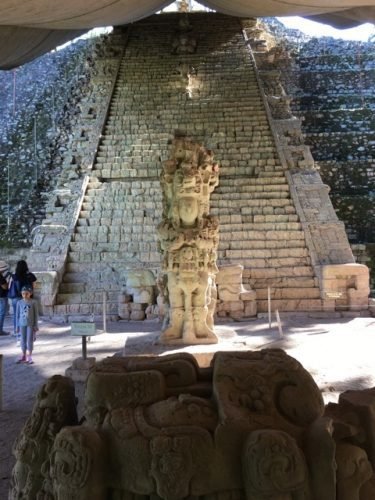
53,109
269,308
35,151
14,92
105,311
84,347
279,324
8,196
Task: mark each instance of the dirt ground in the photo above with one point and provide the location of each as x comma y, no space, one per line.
338,352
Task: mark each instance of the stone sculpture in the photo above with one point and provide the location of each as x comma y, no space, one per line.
54,408
234,299
188,240
137,294
250,426
184,42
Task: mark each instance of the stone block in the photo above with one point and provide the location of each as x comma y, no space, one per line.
232,306
348,282
248,295
229,274
137,315
250,308
124,310
229,292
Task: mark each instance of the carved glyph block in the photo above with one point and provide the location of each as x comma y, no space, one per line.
348,284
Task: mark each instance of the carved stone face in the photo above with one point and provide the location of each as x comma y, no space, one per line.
273,465
353,466
188,210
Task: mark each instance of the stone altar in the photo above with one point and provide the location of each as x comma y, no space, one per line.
250,426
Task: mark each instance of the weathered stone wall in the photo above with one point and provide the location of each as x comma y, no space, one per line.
331,83
39,106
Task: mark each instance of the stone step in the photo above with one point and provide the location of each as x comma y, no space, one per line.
254,194
75,312
129,173
281,214
126,105
131,189
287,272
134,205
84,274
283,282
269,174
287,293
269,262
261,244
72,287
292,305
152,257
247,212
259,222
264,253
152,169
254,189
92,297
114,246
109,154
244,183
132,238
264,236
251,201
228,231
117,223
228,223
107,269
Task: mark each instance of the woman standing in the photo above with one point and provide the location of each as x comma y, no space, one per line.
4,276
22,277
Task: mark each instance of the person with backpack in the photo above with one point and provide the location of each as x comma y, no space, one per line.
22,277
4,273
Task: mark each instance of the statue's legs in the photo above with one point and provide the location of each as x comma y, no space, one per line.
202,329
175,328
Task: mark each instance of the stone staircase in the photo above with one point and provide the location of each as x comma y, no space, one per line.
213,96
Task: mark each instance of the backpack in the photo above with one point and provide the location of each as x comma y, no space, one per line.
13,289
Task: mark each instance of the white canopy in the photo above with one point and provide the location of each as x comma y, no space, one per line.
29,28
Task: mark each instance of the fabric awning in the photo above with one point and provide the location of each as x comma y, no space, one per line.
29,28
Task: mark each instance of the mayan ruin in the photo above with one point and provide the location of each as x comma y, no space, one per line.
187,205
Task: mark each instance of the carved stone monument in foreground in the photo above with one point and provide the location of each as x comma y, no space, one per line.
188,240
251,426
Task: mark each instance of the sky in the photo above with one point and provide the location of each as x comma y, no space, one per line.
360,33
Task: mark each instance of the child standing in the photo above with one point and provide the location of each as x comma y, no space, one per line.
27,323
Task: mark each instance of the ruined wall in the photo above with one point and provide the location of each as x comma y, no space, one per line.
39,106
331,83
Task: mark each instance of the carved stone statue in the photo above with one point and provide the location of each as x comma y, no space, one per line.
273,466
188,240
353,470
54,408
77,465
